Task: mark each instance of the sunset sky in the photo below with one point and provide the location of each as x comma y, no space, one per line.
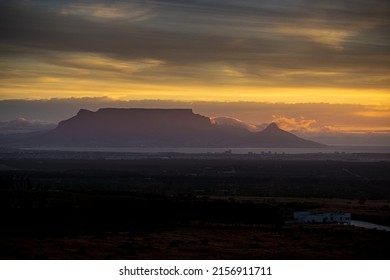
333,54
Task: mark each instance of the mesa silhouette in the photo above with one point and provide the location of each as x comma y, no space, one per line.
134,127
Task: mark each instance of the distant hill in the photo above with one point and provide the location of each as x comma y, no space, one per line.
114,127
273,136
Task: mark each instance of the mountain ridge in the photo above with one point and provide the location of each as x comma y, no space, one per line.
141,127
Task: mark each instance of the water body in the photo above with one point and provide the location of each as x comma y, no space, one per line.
190,150
369,225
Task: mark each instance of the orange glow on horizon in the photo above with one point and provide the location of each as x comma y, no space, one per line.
52,87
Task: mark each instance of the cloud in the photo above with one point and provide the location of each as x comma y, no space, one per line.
293,124
230,121
266,43
303,126
375,112
96,62
233,72
22,125
103,11
332,38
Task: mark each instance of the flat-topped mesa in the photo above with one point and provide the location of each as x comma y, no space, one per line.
129,117
144,114
170,111
135,127
135,111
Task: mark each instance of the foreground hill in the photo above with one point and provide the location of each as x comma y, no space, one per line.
160,128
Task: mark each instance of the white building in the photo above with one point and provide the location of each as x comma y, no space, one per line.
321,217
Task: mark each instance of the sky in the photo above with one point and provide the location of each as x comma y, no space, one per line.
332,57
